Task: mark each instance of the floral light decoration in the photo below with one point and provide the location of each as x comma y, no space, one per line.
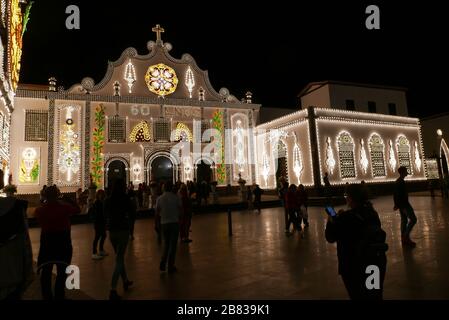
161,79
187,168
391,158
69,160
330,160
98,144
297,163
190,81
140,133
130,75
183,132
29,166
217,124
265,166
136,169
418,161
363,158
15,41
239,147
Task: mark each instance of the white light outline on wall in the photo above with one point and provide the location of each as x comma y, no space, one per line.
190,81
265,165
130,75
364,124
69,159
297,161
363,158
330,160
391,157
418,161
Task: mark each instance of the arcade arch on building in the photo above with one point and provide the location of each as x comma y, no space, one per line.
204,169
116,168
162,166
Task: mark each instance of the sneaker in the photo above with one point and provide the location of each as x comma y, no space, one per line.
127,284
97,257
113,295
103,253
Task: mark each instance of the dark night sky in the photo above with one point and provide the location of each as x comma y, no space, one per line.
272,50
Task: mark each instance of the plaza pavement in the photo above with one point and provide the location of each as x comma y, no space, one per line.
260,262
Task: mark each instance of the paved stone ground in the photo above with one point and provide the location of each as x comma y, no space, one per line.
260,262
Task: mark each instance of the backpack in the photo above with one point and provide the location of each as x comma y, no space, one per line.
373,242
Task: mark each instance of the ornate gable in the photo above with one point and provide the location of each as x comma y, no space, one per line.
156,74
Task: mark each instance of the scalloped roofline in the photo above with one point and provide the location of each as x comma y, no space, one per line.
89,84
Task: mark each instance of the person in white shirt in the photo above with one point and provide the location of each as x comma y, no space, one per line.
169,208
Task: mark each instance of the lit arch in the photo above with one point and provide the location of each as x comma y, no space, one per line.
403,149
346,147
377,154
141,132
183,132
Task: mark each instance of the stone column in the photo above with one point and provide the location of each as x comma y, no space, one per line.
314,146
51,141
87,144
252,157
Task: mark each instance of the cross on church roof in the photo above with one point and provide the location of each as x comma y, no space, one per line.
158,30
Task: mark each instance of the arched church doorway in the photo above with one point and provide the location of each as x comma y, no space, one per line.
281,165
116,170
203,172
162,169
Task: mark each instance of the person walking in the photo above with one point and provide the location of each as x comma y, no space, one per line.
292,209
55,242
258,198
99,220
360,243
186,216
169,208
401,203
117,208
302,199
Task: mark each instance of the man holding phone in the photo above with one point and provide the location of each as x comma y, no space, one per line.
360,243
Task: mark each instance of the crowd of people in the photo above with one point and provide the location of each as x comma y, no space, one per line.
357,231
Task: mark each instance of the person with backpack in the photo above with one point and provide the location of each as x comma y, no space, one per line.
360,243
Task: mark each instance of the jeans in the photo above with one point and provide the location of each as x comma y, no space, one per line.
100,235
170,232
408,220
59,284
119,240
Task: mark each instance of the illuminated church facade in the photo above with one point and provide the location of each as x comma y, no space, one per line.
128,124
146,106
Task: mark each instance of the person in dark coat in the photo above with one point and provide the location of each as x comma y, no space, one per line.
16,256
349,230
118,207
55,242
99,220
401,203
257,197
